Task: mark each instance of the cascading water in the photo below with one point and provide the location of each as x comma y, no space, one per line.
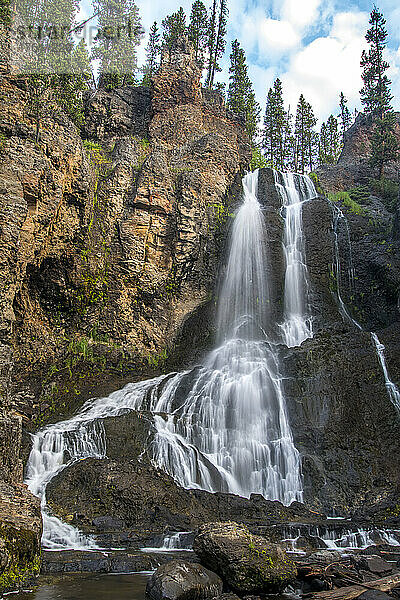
222,426
393,391
294,190
338,216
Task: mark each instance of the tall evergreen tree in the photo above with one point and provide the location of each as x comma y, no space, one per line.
345,116
306,137
153,50
241,97
375,94
216,38
120,33
275,127
174,26
198,30
268,134
329,141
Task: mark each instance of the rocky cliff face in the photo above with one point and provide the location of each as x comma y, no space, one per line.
342,419
110,243
353,165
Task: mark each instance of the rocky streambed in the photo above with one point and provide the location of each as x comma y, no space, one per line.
327,558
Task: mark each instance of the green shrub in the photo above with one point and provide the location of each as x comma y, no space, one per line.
317,184
258,160
388,190
345,200
359,194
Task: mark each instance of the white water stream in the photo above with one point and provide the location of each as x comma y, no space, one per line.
338,216
220,427
294,190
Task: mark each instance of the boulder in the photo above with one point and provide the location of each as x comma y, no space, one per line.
374,564
182,580
248,563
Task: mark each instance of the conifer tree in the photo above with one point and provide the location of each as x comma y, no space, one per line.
376,96
216,38
241,97
329,141
174,26
120,33
306,137
198,30
152,54
275,127
345,116
268,129
70,87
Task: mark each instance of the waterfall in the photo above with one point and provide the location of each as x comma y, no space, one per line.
222,426
294,190
393,391
338,216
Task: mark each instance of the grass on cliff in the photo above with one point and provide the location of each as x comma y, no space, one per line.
345,200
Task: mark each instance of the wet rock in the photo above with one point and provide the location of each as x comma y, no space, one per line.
94,489
180,580
20,534
374,595
325,557
108,523
78,561
246,562
373,564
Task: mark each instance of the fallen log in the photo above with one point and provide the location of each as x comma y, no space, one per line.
354,591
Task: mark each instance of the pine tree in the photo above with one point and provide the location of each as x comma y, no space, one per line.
345,116
153,51
306,137
268,130
329,142
174,26
216,38
275,127
120,33
70,88
198,30
376,96
241,97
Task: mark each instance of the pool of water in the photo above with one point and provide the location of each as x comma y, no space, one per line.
87,586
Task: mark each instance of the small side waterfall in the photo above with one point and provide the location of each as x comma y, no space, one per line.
394,393
294,190
338,216
222,426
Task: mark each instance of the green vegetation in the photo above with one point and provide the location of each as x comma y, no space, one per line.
5,15
387,190
115,45
198,31
317,184
23,549
157,360
153,50
258,160
376,95
241,97
359,194
345,200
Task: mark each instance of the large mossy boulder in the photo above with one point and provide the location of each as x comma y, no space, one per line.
182,580
20,533
248,563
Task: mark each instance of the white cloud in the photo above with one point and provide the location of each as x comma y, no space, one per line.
276,36
329,65
300,13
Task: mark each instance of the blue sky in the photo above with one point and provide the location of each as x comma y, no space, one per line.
314,46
